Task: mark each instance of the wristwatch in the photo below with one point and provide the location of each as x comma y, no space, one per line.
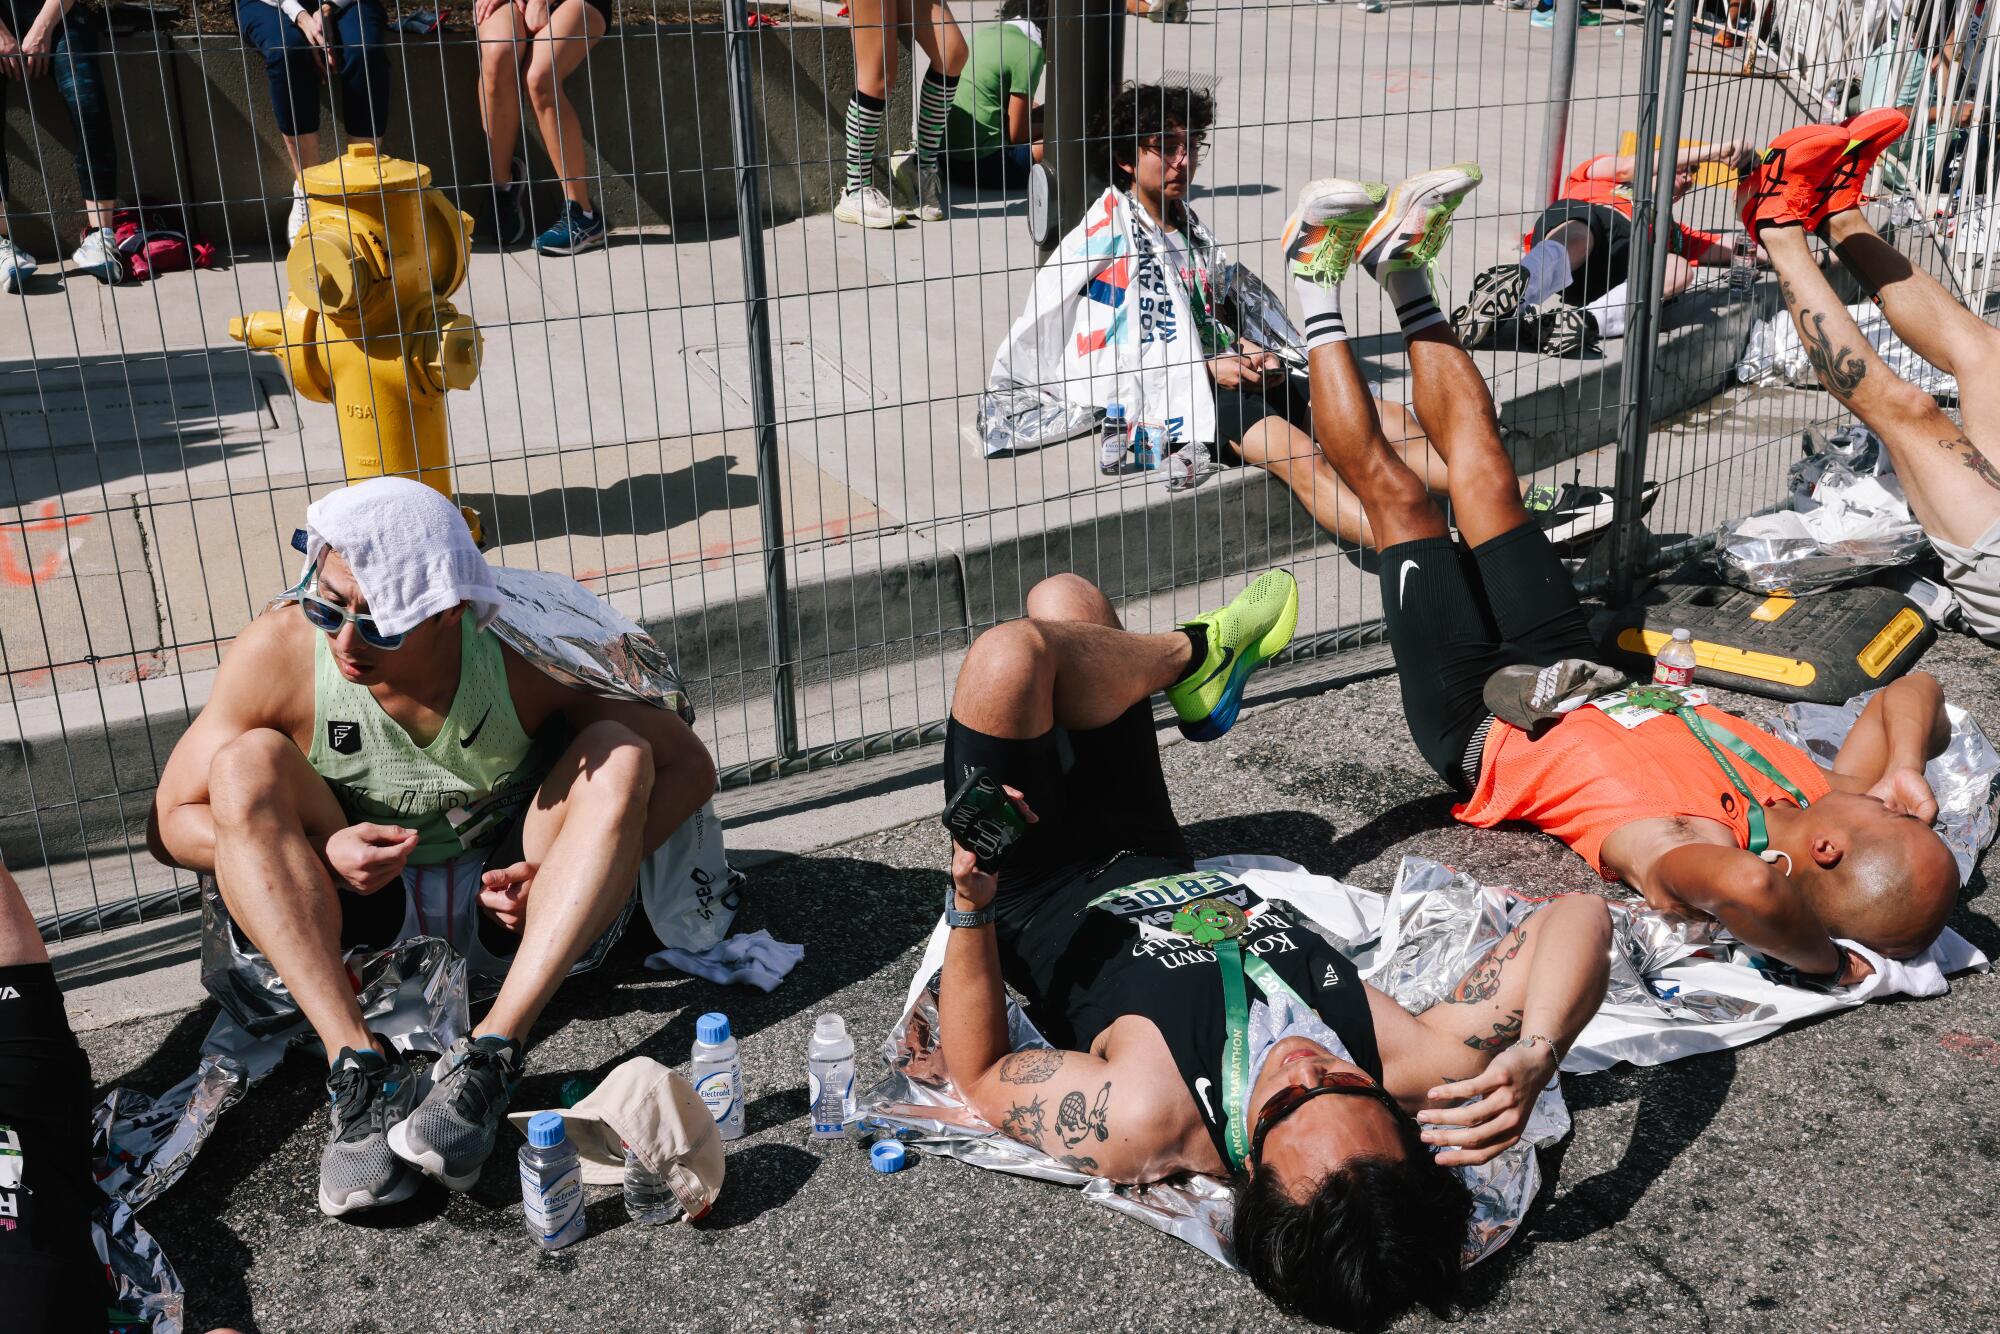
954,917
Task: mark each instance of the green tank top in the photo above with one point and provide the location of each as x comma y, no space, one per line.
457,791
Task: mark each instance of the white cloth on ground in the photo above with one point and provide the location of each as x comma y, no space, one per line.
752,960
409,549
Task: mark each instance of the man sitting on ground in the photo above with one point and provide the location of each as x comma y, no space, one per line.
379,733
1810,181
1580,249
1657,804
1199,1036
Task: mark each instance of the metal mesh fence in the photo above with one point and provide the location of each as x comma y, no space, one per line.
758,428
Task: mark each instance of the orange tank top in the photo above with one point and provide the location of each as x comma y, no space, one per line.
1588,776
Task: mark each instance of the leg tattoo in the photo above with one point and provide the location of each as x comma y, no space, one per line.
1970,456
1839,369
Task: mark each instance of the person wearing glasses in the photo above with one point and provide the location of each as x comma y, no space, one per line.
1197,1027
369,731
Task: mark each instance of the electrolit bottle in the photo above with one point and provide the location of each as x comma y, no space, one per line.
1674,664
648,1198
551,1184
1114,438
718,1074
1743,264
830,1076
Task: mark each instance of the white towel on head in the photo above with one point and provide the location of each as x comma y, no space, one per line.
409,549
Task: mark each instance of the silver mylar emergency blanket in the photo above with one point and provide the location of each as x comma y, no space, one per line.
1776,356
1676,988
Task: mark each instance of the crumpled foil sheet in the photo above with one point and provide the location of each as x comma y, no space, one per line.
1774,355
413,993
1848,519
1965,778
573,635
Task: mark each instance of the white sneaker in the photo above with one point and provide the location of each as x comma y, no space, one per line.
296,223
1969,238
16,266
919,190
98,256
866,207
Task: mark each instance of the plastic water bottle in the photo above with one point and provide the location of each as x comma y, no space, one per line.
830,1076
648,1198
1145,448
1114,438
718,1074
551,1184
1674,664
1743,264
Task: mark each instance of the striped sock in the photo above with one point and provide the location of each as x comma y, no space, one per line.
1321,308
864,128
1409,292
933,101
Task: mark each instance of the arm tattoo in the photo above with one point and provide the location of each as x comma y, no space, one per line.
1841,369
1484,979
1503,1035
1074,1124
1079,1162
1024,1123
1969,454
1032,1066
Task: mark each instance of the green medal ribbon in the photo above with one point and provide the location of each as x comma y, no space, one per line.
1713,737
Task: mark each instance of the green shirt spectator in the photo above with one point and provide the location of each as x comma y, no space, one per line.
1004,62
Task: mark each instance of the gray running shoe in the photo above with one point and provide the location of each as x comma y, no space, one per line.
450,1134
371,1094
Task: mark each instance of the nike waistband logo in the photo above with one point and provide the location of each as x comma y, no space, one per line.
1403,579
465,742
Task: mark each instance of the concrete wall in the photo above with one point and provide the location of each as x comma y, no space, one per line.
193,122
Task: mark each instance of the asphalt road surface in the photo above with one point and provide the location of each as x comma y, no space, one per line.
1839,1176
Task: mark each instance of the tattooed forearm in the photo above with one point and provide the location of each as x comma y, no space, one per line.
1484,979
1839,369
1032,1066
1969,455
1503,1034
1024,1122
1079,1162
1076,1122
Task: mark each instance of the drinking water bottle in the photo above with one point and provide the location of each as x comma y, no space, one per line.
648,1198
551,1184
830,1076
1114,438
1674,665
1743,264
718,1074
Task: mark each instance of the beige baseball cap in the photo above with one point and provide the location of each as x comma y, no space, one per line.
644,1104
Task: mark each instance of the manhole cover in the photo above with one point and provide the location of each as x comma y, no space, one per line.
810,383
188,400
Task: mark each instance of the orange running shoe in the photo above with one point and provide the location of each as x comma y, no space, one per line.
1784,185
1867,135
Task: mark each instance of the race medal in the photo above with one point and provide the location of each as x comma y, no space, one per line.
1207,921
1660,699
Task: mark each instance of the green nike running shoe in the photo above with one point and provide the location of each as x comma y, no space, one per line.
1413,223
1320,239
1242,637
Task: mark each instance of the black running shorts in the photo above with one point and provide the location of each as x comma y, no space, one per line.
1610,246
1237,410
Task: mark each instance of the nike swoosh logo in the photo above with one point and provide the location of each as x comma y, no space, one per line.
1228,655
465,742
1403,579
1201,1091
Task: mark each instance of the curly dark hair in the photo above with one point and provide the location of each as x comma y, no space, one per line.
1375,1237
1140,110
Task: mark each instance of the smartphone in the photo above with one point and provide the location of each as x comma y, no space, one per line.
983,818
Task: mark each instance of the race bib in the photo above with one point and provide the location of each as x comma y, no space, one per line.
1630,707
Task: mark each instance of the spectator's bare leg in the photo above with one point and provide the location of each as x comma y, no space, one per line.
585,835
874,45
1953,488
559,49
1678,277
1394,497
1455,408
272,816
937,34
20,938
1289,454
302,150
503,49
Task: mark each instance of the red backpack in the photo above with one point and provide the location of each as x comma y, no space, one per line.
155,241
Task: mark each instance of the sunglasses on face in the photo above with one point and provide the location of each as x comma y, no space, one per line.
1294,1096
329,618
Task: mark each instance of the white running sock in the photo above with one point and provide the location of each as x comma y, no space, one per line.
1548,271
1409,291
1611,311
1321,308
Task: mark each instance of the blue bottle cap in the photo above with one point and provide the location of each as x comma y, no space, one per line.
712,1028
1116,410
888,1156
545,1130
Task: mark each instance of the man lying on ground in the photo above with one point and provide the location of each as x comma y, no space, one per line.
1810,181
1196,1026
1580,250
1658,804
376,733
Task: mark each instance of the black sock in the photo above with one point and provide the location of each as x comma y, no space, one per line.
1197,634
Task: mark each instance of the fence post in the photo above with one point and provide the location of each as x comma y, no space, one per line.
764,416
1562,78
1652,209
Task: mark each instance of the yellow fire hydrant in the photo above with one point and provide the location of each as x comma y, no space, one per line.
366,325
